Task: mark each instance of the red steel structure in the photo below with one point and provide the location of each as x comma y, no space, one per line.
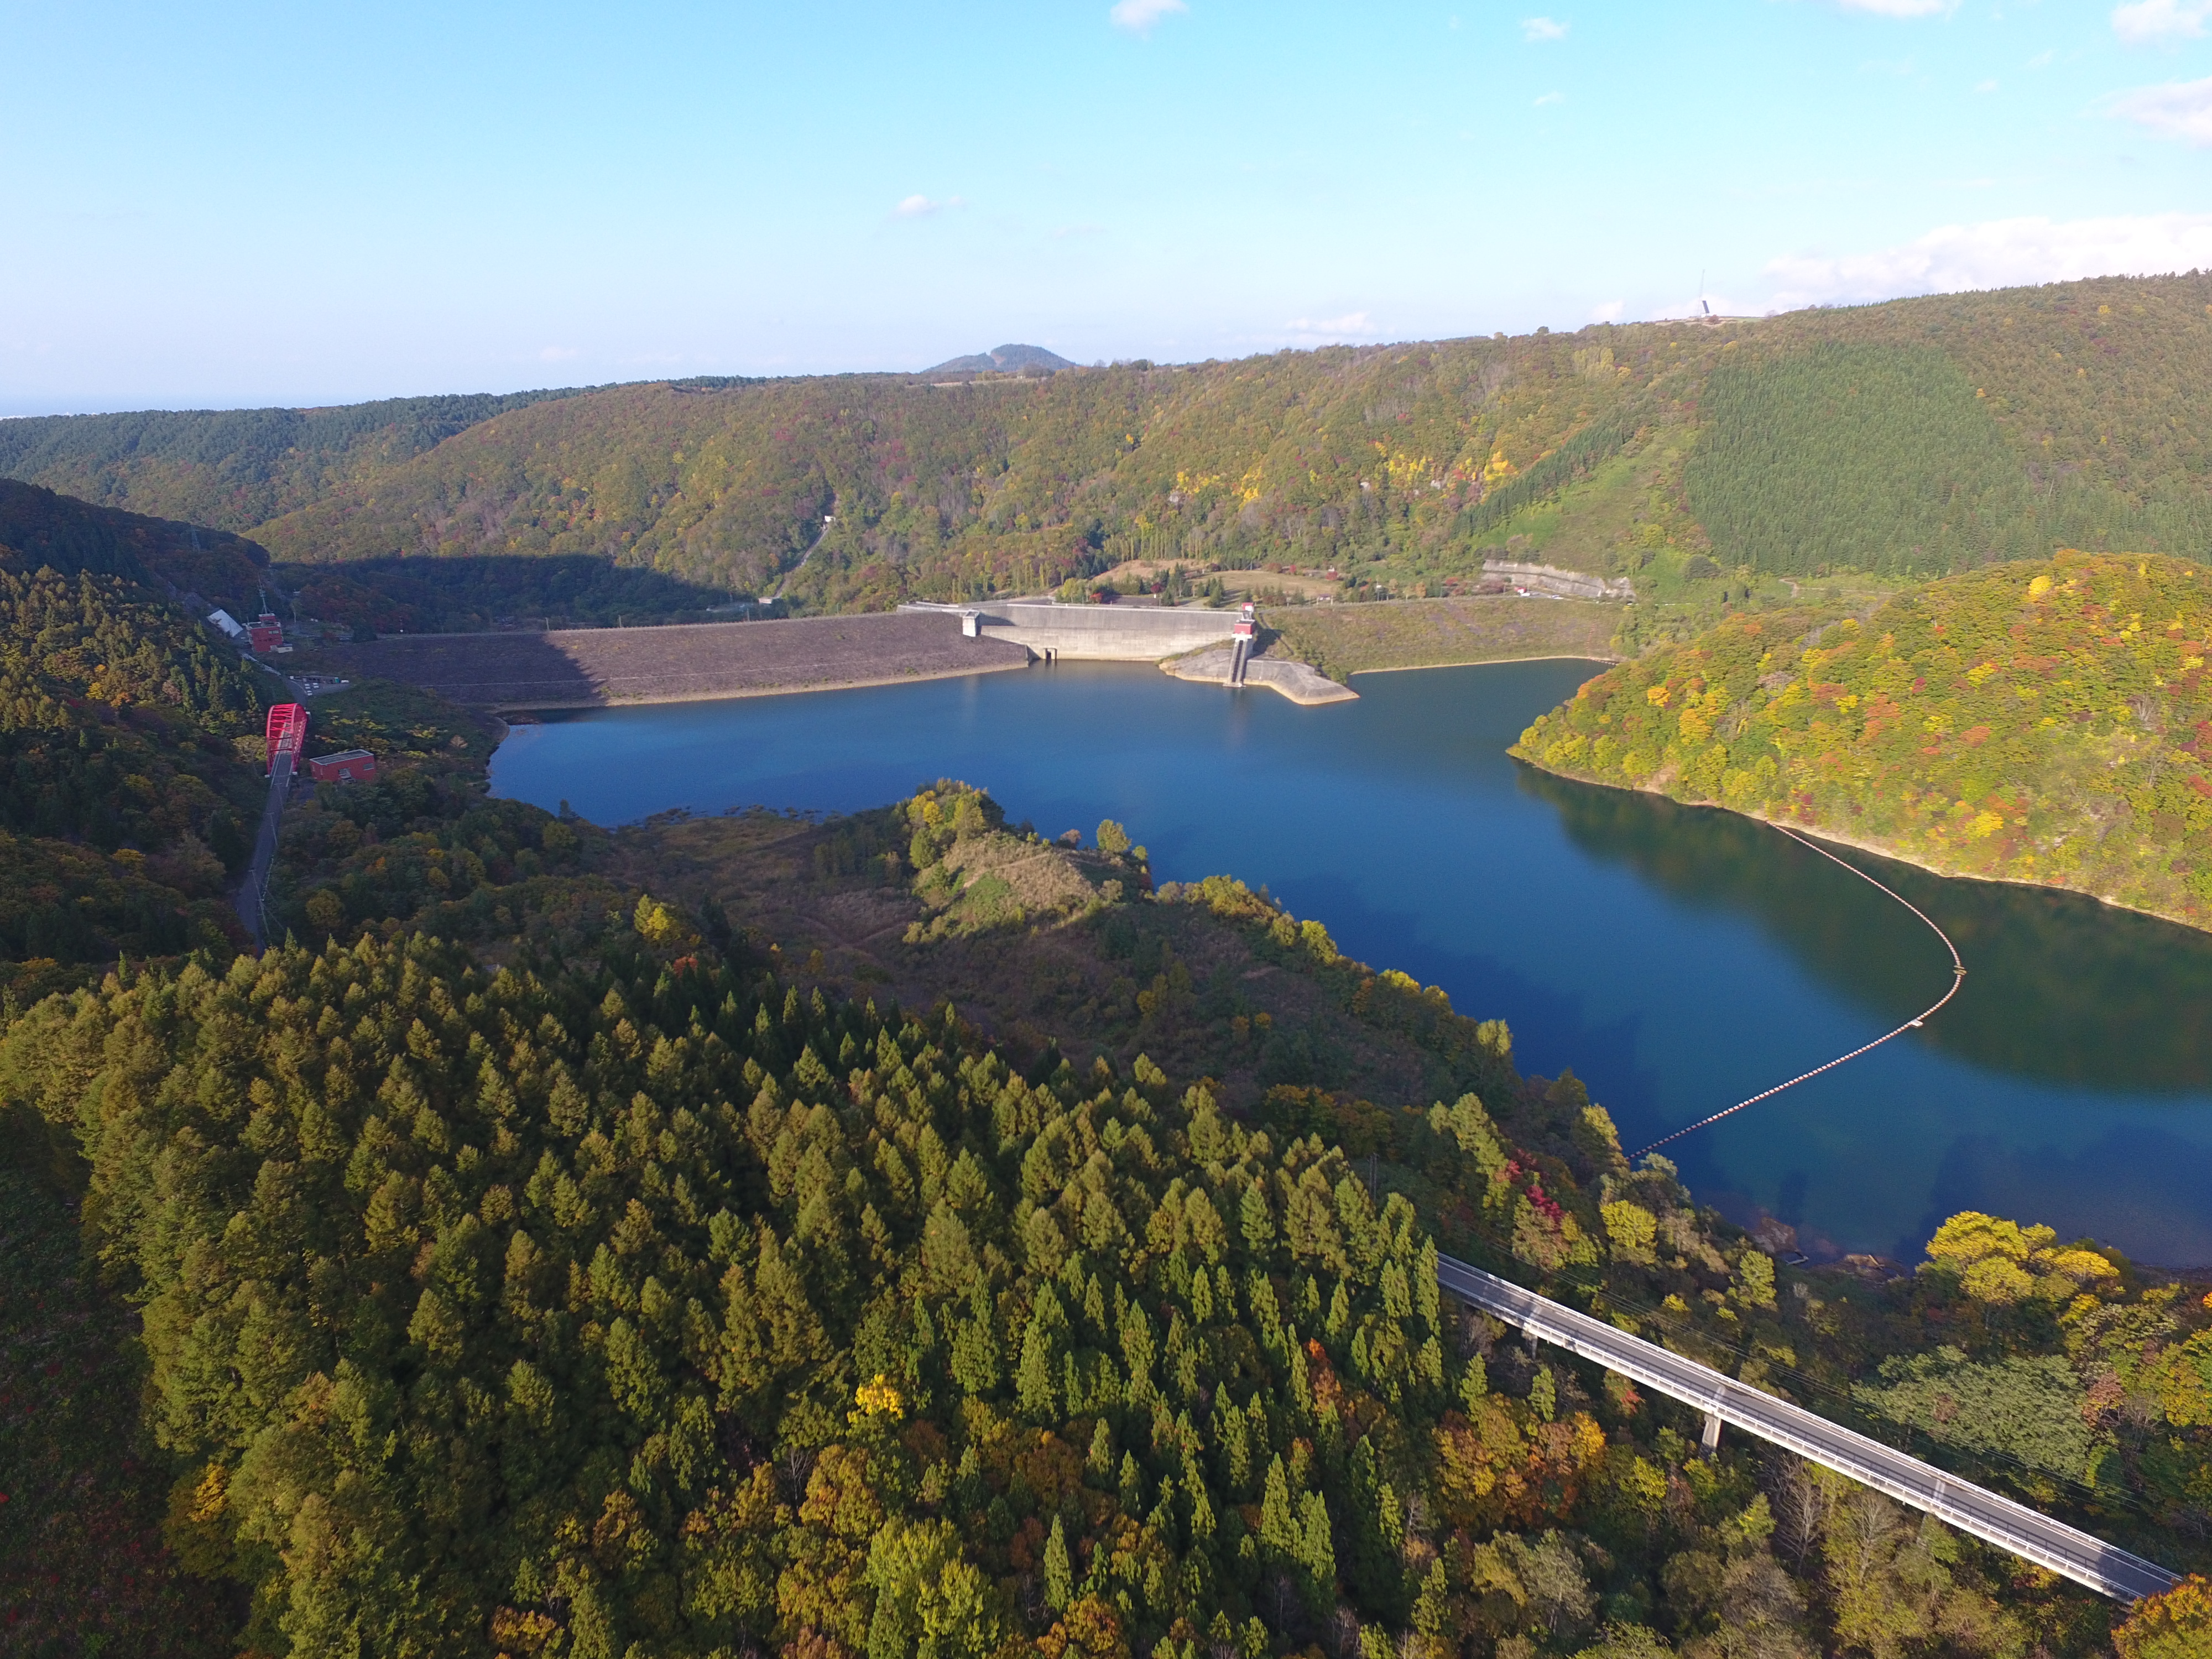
287,731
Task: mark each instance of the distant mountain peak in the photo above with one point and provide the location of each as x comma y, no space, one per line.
1005,359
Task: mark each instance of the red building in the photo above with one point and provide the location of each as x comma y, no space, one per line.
265,633
347,766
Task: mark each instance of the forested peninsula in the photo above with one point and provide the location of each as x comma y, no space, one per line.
2042,721
898,1234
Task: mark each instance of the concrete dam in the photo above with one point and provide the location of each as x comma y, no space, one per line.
596,667
1103,633
1187,642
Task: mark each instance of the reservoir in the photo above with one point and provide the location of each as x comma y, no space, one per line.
1678,960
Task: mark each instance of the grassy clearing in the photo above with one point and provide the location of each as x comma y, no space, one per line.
1053,947
1344,640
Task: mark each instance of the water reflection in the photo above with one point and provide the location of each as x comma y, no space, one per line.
2060,989
1679,959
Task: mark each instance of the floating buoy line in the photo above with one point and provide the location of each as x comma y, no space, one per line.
1958,978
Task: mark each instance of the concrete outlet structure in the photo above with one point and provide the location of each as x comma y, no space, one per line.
1107,633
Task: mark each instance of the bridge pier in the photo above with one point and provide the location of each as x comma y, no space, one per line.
1709,1441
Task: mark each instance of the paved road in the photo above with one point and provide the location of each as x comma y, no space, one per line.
2025,1532
254,893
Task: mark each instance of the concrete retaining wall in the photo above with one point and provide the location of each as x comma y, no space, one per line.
1107,632
1299,682
1566,583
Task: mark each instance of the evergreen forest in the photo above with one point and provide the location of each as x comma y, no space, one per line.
128,735
569,1242
543,1251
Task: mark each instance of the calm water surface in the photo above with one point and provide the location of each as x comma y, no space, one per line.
1678,960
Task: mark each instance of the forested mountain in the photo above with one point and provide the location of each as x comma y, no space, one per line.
574,1245
2042,720
1911,437
1003,360
129,737
499,590
41,527
233,469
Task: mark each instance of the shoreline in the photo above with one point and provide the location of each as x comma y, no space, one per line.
1165,664
1822,832
1487,662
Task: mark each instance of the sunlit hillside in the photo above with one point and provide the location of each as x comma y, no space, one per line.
2040,721
1723,461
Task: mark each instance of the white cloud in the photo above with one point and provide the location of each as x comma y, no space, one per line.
917,205
557,354
1986,86
2180,109
1899,8
1332,328
1543,28
1552,98
1609,312
1138,17
2042,60
2146,22
1999,253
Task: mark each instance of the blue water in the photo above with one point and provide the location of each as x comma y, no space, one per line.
1678,960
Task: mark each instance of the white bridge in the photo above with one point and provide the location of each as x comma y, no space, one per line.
2026,1533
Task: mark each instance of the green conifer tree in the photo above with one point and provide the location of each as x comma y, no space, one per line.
1035,1386
1543,1393
1100,1460
1058,1577
1132,1486
1375,1570
1280,1539
1316,1554
1474,1383
1340,1314
1257,1221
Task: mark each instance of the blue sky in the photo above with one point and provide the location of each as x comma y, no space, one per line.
218,204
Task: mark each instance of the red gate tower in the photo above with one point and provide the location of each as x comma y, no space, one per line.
1243,639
